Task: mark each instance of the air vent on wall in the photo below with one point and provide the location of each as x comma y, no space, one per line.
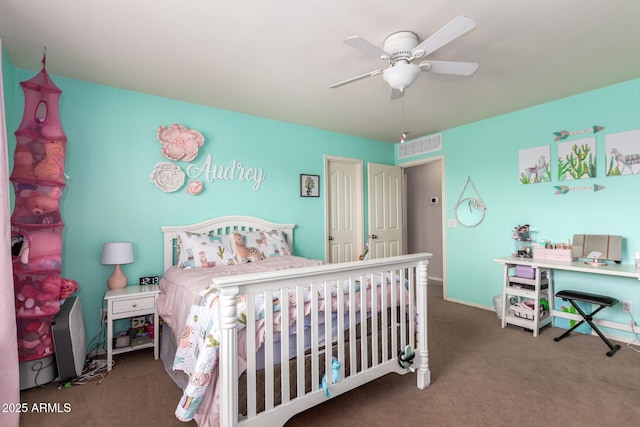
424,145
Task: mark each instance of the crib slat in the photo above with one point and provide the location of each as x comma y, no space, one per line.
363,324
328,321
284,345
374,318
394,313
314,336
268,351
251,355
384,327
352,326
340,325
300,340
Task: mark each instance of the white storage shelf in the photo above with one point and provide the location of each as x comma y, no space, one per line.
526,289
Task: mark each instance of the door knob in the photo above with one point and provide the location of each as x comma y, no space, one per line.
373,236
330,238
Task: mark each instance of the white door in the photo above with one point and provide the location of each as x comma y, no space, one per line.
345,238
385,210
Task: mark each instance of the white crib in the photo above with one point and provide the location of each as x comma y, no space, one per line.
366,342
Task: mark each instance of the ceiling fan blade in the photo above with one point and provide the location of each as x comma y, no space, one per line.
395,94
365,46
355,79
454,29
450,67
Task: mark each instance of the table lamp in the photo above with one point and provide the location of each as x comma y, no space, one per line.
116,253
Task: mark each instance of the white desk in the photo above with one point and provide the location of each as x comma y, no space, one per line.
622,270
619,270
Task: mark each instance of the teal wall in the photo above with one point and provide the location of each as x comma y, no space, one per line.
10,92
112,148
487,151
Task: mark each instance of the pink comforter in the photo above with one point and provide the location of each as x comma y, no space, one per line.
180,287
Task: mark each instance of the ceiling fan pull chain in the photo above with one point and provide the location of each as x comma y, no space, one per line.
403,134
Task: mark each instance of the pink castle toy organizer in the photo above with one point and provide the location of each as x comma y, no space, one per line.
36,222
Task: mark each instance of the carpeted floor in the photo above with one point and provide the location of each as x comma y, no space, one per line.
481,375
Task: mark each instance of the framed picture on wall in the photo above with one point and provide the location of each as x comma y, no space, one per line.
309,185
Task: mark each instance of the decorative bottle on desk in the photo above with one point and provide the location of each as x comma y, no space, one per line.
522,240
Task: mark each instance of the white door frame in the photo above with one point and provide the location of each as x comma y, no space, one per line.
443,207
358,203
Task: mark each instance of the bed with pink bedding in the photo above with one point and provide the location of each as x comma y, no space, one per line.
367,315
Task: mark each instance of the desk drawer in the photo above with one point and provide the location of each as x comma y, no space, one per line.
559,257
134,304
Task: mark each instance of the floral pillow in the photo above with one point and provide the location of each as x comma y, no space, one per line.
268,243
204,251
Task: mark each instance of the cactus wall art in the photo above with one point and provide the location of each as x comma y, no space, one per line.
577,159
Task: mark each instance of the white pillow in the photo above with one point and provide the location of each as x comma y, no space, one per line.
204,251
268,243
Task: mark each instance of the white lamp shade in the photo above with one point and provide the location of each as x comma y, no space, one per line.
117,253
401,75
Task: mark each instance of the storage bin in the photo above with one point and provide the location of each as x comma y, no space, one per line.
526,271
562,255
497,305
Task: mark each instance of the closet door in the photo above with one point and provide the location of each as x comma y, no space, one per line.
385,210
345,239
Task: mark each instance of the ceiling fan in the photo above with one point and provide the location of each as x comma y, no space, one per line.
401,48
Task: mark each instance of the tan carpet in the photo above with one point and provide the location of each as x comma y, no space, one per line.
482,375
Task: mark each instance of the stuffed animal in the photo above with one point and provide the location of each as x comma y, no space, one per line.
243,253
38,203
38,249
35,297
335,376
22,163
405,358
51,167
20,247
42,205
67,287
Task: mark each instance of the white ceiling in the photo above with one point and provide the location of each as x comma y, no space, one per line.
277,58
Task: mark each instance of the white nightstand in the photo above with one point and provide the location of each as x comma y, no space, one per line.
131,301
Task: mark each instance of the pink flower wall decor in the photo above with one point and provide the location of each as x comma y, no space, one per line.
179,142
195,187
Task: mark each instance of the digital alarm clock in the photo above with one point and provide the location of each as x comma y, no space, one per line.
149,280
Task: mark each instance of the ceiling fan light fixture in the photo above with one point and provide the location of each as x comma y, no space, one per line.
401,75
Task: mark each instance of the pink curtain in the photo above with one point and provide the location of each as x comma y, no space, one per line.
9,380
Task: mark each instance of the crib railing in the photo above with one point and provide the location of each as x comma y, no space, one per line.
364,334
